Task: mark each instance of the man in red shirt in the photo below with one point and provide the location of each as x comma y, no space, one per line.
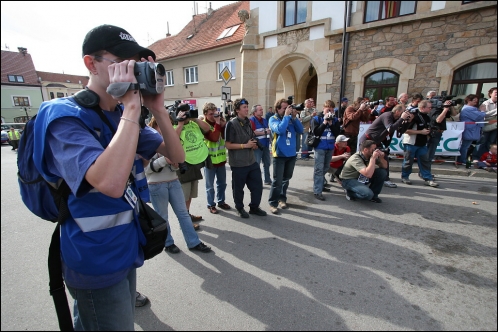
341,153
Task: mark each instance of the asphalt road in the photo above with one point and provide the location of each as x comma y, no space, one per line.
425,259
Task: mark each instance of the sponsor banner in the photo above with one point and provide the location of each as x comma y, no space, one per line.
449,145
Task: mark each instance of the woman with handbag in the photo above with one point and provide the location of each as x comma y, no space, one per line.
165,188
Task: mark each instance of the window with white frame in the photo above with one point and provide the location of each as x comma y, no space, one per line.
191,75
169,78
228,32
227,63
20,101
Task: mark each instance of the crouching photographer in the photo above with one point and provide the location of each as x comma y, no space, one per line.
382,130
360,177
191,131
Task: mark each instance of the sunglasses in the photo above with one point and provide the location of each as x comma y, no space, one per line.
243,101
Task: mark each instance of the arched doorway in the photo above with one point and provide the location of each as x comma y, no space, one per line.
311,88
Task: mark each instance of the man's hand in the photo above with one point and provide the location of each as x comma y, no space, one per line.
346,155
425,132
406,115
378,154
252,144
288,110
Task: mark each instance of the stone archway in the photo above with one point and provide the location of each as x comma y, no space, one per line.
445,69
405,71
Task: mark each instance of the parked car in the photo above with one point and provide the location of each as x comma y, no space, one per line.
19,126
5,137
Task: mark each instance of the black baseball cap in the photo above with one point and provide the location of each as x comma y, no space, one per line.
114,40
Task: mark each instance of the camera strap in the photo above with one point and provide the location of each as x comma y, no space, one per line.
119,89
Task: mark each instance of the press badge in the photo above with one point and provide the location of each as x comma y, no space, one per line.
289,135
130,197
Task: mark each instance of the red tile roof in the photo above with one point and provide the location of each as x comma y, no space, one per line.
62,78
16,63
205,29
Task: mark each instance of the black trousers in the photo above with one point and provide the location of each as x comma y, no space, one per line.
250,176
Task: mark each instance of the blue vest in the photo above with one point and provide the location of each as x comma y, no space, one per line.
265,141
103,235
327,140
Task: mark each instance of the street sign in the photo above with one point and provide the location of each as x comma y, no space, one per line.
226,93
226,75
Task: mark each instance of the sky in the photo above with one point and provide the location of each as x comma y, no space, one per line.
53,31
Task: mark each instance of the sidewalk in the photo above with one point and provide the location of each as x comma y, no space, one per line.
443,168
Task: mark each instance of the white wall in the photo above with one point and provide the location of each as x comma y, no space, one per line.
267,15
332,9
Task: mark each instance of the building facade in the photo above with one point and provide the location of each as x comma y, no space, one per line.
296,48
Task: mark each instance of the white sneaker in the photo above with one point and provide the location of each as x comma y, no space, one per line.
390,184
431,183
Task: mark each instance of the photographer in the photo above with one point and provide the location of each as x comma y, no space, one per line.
360,178
306,115
416,133
262,133
359,112
438,126
284,126
215,141
382,130
326,126
241,143
191,131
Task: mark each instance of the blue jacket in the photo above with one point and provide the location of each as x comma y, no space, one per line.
472,132
103,234
262,139
327,133
284,130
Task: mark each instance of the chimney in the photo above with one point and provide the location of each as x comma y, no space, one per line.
167,33
23,50
210,10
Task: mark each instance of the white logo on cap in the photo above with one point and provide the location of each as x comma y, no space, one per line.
125,36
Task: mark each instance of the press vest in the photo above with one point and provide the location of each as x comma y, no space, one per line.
16,134
263,139
217,150
103,235
327,140
192,140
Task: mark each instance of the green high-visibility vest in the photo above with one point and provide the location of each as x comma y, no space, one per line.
16,134
192,140
217,150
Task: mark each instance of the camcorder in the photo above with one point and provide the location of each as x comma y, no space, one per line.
178,107
150,77
438,101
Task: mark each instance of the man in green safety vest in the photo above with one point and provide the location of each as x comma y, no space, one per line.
14,138
215,141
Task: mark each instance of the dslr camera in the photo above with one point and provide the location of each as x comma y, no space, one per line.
150,77
298,107
384,150
258,143
372,103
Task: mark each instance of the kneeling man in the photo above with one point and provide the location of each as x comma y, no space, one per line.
360,178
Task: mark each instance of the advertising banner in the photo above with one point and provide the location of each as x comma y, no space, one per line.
449,145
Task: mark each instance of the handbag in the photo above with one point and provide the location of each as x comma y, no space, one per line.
154,228
312,140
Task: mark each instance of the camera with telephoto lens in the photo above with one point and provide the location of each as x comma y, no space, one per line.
150,76
298,107
372,103
182,167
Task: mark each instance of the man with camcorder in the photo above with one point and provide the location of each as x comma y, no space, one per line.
416,133
438,117
284,126
382,130
360,177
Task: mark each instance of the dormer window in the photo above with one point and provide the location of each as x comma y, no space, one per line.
228,32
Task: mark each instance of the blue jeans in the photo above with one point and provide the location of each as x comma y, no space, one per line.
283,168
359,190
322,165
464,148
250,176
424,164
487,138
221,184
171,192
106,309
265,156
305,148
